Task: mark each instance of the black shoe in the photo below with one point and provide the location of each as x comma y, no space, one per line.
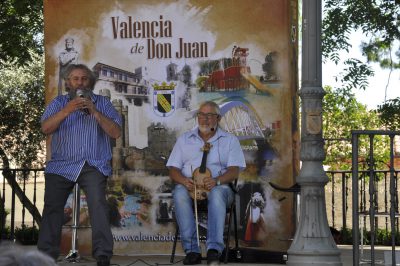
103,261
192,258
212,257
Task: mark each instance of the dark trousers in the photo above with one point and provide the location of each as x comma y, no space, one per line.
57,190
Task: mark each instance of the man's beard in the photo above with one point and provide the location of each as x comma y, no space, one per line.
205,129
72,94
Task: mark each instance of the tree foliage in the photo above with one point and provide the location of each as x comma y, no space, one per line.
355,75
21,92
377,19
343,113
389,113
21,106
21,30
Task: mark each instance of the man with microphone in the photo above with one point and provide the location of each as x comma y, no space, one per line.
81,125
224,160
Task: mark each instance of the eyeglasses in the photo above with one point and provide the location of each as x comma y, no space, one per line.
206,115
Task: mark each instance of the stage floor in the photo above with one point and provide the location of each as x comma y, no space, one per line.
161,260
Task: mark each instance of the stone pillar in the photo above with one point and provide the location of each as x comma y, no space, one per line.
313,243
126,126
117,160
118,106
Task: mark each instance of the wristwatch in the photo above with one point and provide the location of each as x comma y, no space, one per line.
218,182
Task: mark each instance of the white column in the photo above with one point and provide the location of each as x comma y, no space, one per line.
313,243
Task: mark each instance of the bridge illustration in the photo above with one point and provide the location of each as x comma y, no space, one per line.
241,121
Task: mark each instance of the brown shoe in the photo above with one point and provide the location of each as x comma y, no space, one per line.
192,258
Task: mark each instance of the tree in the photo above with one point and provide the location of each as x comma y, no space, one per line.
389,113
21,90
342,113
378,20
21,106
21,30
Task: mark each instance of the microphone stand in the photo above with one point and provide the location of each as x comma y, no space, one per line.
73,255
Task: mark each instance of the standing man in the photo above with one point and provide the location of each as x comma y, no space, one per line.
82,125
225,159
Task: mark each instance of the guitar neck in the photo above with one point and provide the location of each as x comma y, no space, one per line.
203,165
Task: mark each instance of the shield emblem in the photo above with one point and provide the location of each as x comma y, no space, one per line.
314,122
164,99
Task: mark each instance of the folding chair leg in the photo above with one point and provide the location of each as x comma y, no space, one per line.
238,254
228,237
174,245
227,241
235,228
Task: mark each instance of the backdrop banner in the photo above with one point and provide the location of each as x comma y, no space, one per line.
158,60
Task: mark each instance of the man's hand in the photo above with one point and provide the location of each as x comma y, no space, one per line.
73,105
189,184
209,183
53,122
88,105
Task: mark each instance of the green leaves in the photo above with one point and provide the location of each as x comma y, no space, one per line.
342,113
378,20
21,29
389,113
356,74
21,106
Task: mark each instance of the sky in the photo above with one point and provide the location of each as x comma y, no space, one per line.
374,95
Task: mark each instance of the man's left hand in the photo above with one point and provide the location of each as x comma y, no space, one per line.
209,183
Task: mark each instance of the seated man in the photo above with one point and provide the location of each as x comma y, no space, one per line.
224,160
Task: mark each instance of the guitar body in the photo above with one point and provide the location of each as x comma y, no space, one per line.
200,193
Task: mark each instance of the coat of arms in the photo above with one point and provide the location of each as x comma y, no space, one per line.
164,98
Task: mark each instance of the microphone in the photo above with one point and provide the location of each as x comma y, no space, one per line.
81,94
214,128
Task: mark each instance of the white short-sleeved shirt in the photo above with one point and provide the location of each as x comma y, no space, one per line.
225,151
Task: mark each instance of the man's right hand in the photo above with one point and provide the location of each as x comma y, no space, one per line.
189,184
74,105
52,123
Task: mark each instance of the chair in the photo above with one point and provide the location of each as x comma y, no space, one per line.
230,211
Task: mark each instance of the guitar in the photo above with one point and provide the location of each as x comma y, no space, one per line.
200,192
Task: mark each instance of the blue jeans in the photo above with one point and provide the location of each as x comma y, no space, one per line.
219,198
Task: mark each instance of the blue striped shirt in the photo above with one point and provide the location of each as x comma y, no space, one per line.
80,139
